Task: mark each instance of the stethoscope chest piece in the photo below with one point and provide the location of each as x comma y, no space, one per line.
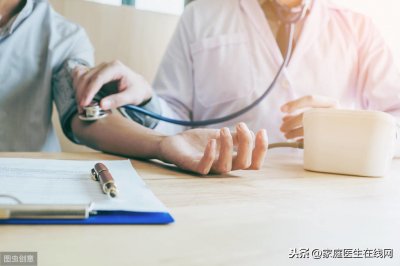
93,112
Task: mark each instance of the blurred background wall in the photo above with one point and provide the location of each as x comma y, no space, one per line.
138,38
386,14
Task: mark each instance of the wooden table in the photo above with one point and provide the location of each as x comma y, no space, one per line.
246,218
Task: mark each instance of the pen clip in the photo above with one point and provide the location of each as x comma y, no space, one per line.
94,175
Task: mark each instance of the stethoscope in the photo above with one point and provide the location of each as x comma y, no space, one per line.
287,15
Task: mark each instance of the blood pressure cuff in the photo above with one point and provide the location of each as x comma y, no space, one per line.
64,97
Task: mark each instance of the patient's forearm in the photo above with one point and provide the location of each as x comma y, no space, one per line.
115,134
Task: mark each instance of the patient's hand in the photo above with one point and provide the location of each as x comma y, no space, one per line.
207,151
292,125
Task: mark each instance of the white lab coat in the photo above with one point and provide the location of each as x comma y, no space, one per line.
223,55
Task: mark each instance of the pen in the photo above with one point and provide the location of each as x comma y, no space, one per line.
101,174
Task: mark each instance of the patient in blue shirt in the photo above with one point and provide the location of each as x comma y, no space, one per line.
38,50
34,44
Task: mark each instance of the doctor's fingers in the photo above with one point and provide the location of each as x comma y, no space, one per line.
245,148
82,79
224,163
291,122
260,150
95,79
117,100
77,74
296,133
310,101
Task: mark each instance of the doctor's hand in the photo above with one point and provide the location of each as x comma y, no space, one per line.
205,151
131,88
292,125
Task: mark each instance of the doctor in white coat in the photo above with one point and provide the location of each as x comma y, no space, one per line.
225,53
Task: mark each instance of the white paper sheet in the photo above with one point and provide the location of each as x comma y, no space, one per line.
36,181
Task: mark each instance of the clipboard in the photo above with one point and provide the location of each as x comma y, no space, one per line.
76,214
32,210
112,218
